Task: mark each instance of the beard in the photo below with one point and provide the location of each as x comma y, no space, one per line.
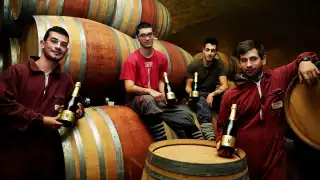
52,57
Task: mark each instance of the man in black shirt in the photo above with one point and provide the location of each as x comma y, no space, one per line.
210,70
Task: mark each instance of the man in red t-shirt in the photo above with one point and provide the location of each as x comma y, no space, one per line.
142,73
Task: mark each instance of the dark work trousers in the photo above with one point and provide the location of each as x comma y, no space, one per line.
153,112
205,114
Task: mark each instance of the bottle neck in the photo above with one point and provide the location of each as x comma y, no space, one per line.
166,80
232,115
75,91
196,79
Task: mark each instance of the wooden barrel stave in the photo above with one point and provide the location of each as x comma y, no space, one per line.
107,143
163,25
14,52
149,12
96,52
166,161
301,108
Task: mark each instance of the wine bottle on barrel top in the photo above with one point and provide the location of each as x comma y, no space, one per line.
170,96
229,134
68,114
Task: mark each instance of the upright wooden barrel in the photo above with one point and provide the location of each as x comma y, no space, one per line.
302,107
107,143
192,159
231,63
96,53
123,15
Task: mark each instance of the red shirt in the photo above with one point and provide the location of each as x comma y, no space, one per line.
145,72
261,121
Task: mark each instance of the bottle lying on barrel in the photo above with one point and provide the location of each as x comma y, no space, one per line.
195,93
68,114
170,96
229,134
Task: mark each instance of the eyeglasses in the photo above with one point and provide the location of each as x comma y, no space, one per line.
143,36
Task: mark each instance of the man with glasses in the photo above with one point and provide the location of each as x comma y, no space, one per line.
142,73
210,71
259,94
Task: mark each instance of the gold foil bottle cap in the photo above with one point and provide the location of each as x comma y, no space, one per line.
78,84
196,73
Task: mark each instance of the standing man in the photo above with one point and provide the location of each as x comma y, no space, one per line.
259,94
210,71
30,95
142,73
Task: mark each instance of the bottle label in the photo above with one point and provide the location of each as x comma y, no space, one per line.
67,115
171,95
195,94
228,141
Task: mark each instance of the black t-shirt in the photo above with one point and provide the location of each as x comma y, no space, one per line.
207,76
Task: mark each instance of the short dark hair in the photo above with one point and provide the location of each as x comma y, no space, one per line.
143,25
247,45
211,40
56,29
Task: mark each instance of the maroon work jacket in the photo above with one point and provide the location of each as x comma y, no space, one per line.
29,150
261,121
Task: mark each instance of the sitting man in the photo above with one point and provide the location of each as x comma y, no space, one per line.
210,71
142,73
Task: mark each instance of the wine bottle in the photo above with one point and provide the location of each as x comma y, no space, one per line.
229,134
195,93
170,96
67,116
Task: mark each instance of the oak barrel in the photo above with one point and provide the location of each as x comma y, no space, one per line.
123,15
13,52
302,107
96,53
98,10
149,12
230,63
127,16
109,142
192,159
7,14
163,23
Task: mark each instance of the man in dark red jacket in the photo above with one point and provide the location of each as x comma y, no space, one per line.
30,97
260,117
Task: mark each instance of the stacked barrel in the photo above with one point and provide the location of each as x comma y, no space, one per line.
102,35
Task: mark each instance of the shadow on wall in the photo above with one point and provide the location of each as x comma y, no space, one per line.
285,31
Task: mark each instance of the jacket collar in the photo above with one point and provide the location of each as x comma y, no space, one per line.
240,79
34,67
